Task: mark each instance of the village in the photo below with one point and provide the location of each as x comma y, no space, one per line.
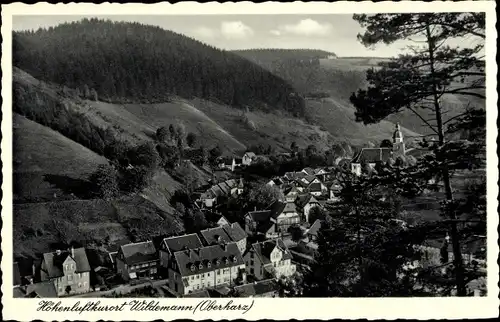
249,257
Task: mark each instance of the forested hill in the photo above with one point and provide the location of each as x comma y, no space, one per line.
122,61
270,54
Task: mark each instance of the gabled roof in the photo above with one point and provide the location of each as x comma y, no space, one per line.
304,199
260,215
265,248
266,227
373,155
315,187
224,188
257,288
44,289
215,235
235,232
310,178
54,261
208,258
293,190
250,154
177,243
278,207
139,252
308,171
313,230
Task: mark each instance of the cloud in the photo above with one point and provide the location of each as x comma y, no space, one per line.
307,27
205,32
275,32
235,30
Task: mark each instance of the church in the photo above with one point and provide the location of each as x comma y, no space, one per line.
372,156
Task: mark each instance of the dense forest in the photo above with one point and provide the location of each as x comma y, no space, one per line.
133,62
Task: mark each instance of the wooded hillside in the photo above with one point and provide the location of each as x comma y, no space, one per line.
121,61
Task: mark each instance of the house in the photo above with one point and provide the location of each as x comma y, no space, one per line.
291,195
208,199
309,179
222,221
230,164
305,203
312,232
248,158
237,235
45,289
193,270
259,222
264,288
227,188
214,236
373,156
270,258
170,245
334,189
137,260
308,171
317,188
200,294
68,271
276,182
284,215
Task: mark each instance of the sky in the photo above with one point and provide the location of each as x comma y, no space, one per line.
333,32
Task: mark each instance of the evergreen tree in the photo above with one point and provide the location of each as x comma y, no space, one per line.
419,80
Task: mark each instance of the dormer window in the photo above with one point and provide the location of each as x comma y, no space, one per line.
209,264
218,261
200,266
227,260
193,268
235,259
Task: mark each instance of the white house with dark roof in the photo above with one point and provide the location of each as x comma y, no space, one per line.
68,271
372,156
193,270
237,235
248,158
137,260
170,245
305,203
270,258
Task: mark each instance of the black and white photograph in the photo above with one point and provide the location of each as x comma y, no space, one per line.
328,155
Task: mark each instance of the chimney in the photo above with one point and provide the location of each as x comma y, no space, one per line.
255,208
72,251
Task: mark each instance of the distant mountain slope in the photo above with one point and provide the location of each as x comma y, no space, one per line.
336,79
266,56
121,61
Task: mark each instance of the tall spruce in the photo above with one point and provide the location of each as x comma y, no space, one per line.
419,80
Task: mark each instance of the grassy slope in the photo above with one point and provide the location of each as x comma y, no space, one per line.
40,151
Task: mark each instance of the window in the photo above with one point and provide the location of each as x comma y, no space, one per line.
218,272
208,274
198,277
79,284
192,277
66,267
70,277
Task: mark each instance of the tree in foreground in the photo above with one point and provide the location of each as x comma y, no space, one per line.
419,81
105,182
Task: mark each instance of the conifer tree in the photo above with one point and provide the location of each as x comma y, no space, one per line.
418,82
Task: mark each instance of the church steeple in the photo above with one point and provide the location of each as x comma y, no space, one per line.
398,145
397,136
